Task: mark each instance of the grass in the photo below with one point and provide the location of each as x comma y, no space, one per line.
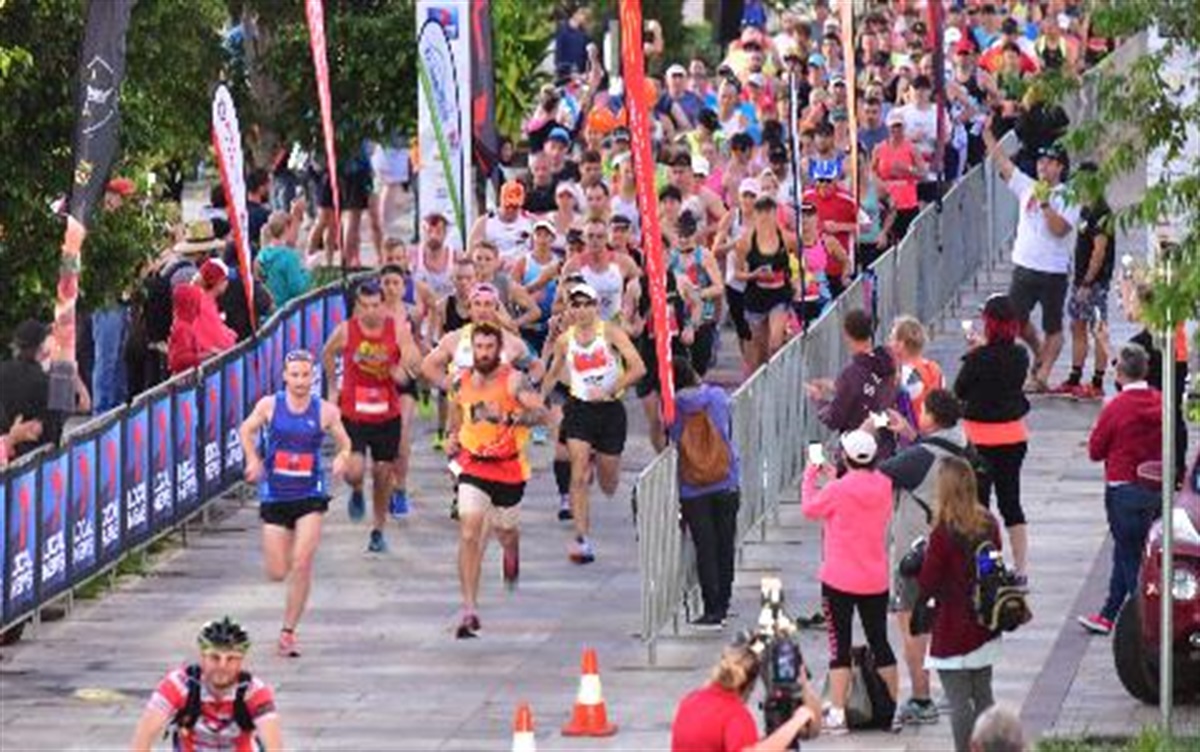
1149,740
133,564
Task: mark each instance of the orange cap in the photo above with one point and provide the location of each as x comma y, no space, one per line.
512,193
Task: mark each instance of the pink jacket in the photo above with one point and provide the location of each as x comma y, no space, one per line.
856,510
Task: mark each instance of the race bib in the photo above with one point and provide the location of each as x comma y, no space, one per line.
294,464
371,400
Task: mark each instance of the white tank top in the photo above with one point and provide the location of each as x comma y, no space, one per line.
608,284
439,282
591,366
511,238
735,234
464,356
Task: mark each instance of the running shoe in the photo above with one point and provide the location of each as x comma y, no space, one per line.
512,565
1089,392
582,552
454,507
916,712
439,441
377,544
468,627
289,646
425,407
1035,385
398,506
1096,624
564,509
1067,388
357,508
833,722
708,623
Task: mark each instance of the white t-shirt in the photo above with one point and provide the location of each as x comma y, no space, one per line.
1036,247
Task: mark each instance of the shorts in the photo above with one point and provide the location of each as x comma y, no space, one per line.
559,395
600,424
356,190
1092,307
1030,288
649,384
535,339
904,593
499,501
757,314
408,388
287,513
382,439
737,312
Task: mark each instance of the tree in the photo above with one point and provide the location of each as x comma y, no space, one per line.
173,58
521,41
1139,111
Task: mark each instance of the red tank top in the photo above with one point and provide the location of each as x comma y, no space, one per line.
369,395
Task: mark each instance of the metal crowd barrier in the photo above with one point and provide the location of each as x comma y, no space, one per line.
137,473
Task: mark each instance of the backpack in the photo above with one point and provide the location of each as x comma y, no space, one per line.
703,454
187,717
973,458
999,597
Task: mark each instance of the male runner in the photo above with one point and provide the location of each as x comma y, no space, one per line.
402,301
613,276
494,405
454,352
591,352
213,705
377,355
293,491
453,314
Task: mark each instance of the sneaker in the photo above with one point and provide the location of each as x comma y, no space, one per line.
398,506
540,435
289,646
1034,385
582,552
708,623
468,627
1089,392
916,712
454,507
377,544
564,509
833,722
357,509
1096,624
1067,388
439,442
512,566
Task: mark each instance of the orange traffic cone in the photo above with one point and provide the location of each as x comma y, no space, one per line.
590,716
523,739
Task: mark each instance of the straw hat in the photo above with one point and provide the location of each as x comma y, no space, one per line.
199,238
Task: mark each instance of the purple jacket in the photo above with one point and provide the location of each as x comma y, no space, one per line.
715,402
866,385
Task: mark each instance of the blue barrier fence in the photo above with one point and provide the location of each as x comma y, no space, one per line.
126,478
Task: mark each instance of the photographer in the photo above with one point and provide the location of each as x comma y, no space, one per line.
714,718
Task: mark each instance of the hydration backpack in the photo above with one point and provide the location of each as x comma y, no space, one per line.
703,454
999,597
189,715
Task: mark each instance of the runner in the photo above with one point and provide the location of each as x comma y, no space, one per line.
212,705
454,314
377,356
763,263
600,362
487,442
614,277
401,296
735,224
513,297
508,228
693,261
292,486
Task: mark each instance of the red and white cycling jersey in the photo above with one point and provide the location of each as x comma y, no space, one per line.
216,730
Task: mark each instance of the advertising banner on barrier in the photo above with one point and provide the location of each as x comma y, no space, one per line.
21,548
444,112
83,505
137,474
162,464
210,435
187,479
108,494
254,376
335,314
294,332
54,516
233,415
275,338
314,339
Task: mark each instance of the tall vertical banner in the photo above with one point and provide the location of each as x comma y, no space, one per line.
101,70
444,112
314,11
847,9
937,43
485,138
227,142
798,183
633,65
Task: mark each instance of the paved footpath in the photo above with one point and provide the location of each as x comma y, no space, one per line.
381,669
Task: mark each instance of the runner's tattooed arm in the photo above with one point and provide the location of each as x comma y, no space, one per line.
533,408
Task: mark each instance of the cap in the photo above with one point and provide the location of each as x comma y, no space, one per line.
620,133
30,333
859,446
676,70
512,192
837,80
750,186
755,79
816,59
964,47
484,290
619,220
560,134
687,224
952,37
585,290
544,224
198,237
1010,26
213,273
895,117
700,166
832,24
826,169
121,186
1055,152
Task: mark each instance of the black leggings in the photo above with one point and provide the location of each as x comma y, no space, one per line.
712,521
1004,475
872,613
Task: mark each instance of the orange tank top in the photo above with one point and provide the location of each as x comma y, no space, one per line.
492,446
894,160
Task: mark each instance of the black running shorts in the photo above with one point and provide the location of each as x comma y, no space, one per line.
601,424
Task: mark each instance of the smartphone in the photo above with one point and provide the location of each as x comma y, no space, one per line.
967,326
881,420
816,453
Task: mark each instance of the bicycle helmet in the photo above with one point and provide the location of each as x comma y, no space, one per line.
225,634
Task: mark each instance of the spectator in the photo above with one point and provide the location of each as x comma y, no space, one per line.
1127,434
710,511
571,41
20,431
539,197
1039,125
1148,341
1041,251
918,375
961,649
715,717
913,475
998,729
280,264
679,104
27,389
866,385
871,129
855,510
989,384
258,206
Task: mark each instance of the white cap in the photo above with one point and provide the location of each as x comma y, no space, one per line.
831,24
584,289
895,117
700,166
859,446
756,79
952,36
749,185
544,224
676,69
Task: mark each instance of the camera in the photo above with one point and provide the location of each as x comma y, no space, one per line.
780,661
912,561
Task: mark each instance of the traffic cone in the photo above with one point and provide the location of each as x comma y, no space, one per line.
523,738
590,716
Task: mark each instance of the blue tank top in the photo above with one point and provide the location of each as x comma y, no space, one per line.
533,270
293,458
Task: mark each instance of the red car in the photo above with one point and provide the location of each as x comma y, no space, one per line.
1136,635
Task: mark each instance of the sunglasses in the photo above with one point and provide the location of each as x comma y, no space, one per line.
582,303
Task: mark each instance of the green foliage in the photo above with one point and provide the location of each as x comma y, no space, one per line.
371,50
1149,740
173,57
521,42
1137,113
118,246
